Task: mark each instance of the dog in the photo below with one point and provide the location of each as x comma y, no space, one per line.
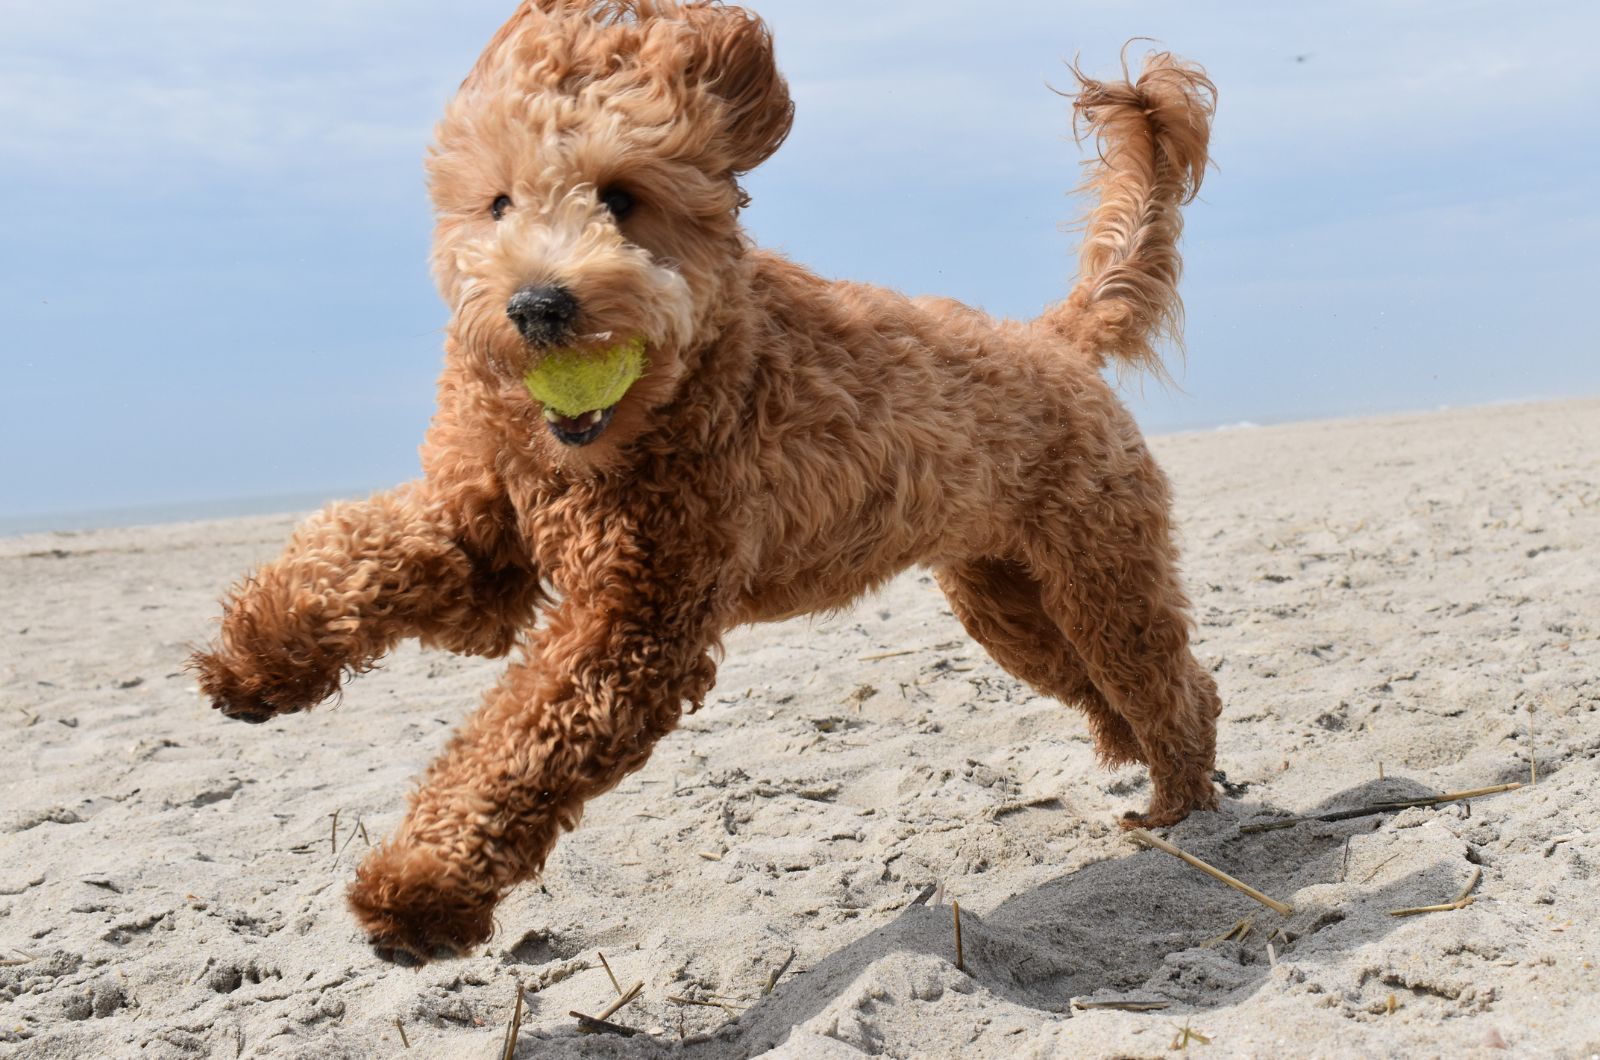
789,443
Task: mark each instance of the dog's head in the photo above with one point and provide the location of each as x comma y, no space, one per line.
585,183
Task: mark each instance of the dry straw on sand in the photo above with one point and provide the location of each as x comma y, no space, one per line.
1461,900
1376,808
1273,904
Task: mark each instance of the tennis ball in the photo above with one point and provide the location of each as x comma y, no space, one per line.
572,382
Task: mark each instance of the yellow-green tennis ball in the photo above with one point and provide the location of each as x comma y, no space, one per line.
572,382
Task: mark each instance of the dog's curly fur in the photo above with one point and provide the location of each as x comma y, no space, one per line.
793,443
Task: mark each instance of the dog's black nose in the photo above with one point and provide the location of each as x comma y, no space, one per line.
543,313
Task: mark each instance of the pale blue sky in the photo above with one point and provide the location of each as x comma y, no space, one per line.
213,275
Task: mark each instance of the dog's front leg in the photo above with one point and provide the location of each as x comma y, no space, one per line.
605,680
357,578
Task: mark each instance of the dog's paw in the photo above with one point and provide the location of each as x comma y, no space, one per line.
253,693
1131,820
402,955
411,912
1173,801
1168,807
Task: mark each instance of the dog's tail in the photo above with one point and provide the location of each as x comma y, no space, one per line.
1151,135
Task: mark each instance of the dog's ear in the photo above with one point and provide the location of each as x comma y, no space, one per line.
732,56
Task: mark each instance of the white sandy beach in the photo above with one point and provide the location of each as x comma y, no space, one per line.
1393,607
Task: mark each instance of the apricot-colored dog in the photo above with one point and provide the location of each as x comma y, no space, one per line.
792,443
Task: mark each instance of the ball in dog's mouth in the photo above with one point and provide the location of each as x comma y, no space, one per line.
580,388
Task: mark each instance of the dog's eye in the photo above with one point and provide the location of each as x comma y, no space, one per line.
618,201
498,208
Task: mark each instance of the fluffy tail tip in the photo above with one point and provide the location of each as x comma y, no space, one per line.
1151,136
1176,102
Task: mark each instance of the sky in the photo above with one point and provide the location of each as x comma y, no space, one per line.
214,230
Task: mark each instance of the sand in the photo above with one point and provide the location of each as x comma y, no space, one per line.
1393,607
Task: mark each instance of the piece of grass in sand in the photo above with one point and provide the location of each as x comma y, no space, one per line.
961,964
996,812
607,966
1143,836
704,1002
1380,807
1533,752
359,830
1122,1006
1368,877
886,655
401,1027
626,998
1550,847
1241,929
1461,900
591,1025
601,1024
776,974
1181,1040
508,1045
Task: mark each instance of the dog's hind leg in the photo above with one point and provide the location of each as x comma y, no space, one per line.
1110,583
999,604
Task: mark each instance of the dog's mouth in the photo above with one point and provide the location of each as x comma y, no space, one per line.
579,430
580,387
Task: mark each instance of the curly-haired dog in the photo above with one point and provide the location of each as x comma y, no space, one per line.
792,443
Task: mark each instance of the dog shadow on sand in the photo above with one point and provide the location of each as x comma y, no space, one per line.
1143,927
